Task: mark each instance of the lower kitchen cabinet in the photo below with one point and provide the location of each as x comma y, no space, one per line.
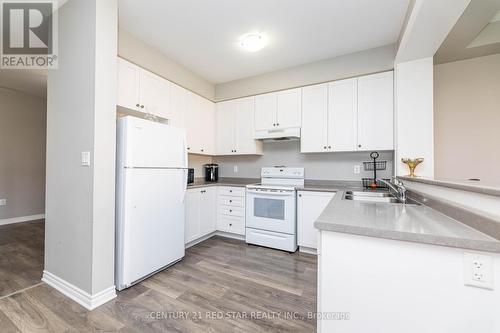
200,212
310,205
231,210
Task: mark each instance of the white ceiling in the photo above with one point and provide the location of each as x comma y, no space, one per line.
202,35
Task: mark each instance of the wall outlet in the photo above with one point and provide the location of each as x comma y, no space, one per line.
478,270
357,168
3,202
85,158
235,169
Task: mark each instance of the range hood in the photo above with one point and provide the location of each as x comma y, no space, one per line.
282,134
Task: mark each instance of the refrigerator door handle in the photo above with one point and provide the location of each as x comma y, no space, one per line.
185,165
184,184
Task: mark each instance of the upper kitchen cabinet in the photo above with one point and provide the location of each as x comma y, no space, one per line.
235,128
348,115
140,90
343,115
314,136
178,106
154,94
289,113
278,114
376,112
128,85
329,121
200,125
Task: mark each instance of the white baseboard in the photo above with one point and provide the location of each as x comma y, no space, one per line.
309,250
22,219
83,298
215,233
230,235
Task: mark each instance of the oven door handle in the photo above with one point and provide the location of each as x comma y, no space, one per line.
278,194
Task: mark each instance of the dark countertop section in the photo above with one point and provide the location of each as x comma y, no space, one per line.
413,223
464,185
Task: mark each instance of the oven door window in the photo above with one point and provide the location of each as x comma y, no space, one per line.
269,208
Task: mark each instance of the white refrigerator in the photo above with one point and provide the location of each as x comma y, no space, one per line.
150,191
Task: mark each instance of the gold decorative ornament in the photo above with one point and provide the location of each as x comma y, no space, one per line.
412,164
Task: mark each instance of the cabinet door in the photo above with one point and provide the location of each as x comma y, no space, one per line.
244,128
207,126
343,115
128,85
208,207
310,205
194,127
266,106
376,112
289,108
193,202
155,94
225,127
314,135
178,106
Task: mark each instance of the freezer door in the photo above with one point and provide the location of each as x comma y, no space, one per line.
151,231
151,144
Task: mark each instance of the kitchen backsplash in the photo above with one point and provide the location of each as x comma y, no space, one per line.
196,162
329,166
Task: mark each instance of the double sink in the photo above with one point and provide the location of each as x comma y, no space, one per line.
382,197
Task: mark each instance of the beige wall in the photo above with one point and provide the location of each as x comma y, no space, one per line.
350,65
467,119
22,154
196,162
141,54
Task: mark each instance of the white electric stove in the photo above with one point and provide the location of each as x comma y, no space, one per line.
271,208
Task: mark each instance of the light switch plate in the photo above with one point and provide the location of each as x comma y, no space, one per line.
478,270
3,202
85,158
357,168
235,169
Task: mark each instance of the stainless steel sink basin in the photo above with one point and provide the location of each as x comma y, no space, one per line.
369,194
382,197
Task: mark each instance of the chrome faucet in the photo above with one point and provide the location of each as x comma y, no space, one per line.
397,187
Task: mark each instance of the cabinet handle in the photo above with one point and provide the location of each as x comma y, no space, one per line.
230,200
277,124
142,106
230,191
329,147
300,195
359,146
189,148
324,147
274,124
230,224
202,150
137,105
230,210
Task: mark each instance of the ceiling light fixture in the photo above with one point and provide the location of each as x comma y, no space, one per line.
253,42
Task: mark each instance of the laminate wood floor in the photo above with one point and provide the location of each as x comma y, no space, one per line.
21,255
221,285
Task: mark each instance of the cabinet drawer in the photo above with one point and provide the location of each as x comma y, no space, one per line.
235,225
232,211
232,191
226,200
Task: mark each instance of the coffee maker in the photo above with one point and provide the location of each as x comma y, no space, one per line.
211,172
